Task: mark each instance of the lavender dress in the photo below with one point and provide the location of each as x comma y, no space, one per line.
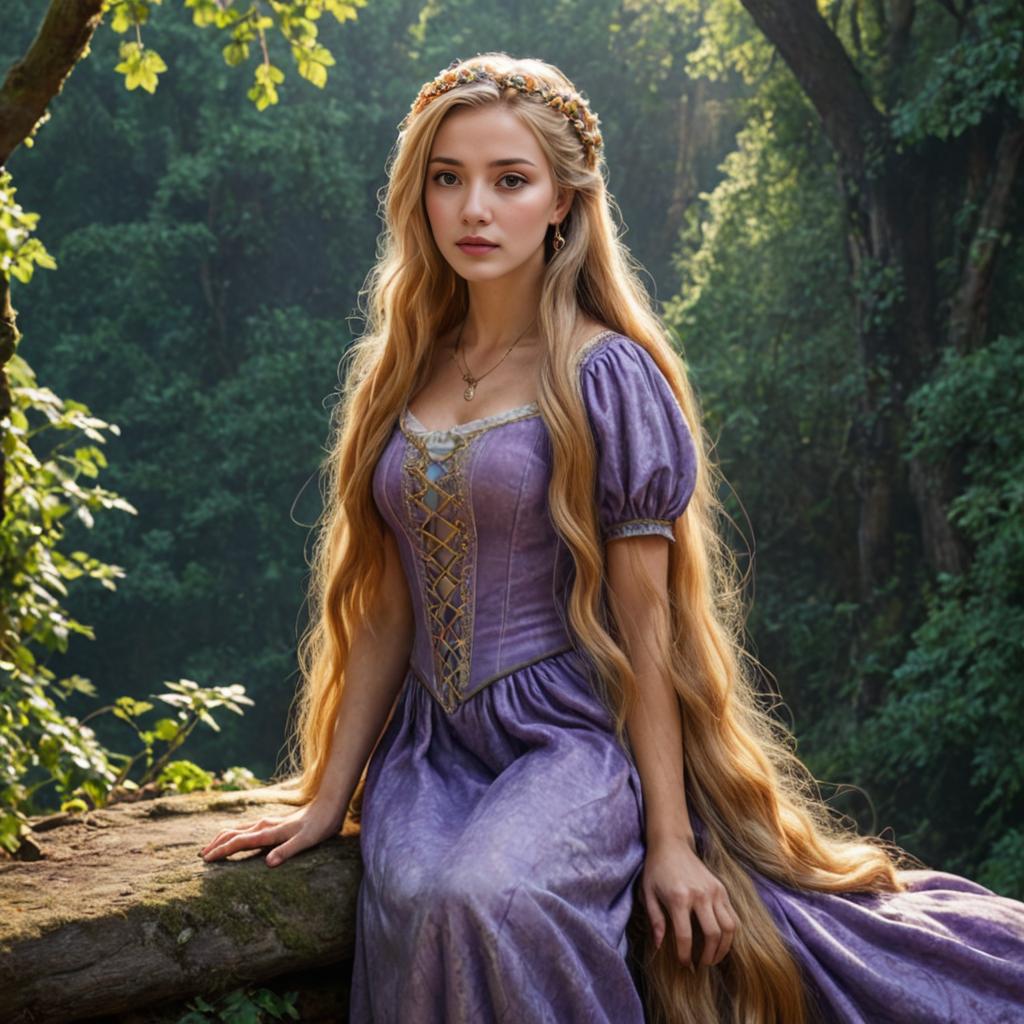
502,823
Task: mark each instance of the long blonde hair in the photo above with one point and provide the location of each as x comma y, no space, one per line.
759,803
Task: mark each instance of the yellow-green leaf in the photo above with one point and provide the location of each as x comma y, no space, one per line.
235,53
313,72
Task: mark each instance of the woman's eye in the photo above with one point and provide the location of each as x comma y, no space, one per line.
517,179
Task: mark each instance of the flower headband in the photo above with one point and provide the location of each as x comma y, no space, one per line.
571,104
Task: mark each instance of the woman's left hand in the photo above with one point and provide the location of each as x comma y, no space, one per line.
675,877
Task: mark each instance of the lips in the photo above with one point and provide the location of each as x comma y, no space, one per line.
476,248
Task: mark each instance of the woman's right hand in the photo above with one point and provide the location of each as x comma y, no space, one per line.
305,827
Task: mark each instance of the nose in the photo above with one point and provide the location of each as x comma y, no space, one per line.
475,207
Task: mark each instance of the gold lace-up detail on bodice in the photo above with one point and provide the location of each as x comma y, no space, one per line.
438,504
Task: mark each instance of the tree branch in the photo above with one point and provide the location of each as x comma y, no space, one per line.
968,317
33,81
825,73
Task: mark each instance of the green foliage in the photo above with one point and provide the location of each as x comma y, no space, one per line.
41,746
129,13
243,25
194,704
1003,871
184,777
981,70
954,709
762,318
193,700
880,288
47,755
18,251
243,1006
140,66
729,43
40,493
263,93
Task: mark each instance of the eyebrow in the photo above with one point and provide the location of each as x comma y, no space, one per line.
494,163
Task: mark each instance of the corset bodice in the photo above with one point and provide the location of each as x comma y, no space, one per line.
486,567
489,575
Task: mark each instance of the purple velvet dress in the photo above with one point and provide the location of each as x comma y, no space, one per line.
502,823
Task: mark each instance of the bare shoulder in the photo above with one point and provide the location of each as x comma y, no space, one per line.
587,339
587,332
586,329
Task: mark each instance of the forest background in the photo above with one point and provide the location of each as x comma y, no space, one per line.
210,255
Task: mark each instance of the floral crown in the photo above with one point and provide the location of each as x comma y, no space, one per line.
571,104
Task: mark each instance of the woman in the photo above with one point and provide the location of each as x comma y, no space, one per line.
527,640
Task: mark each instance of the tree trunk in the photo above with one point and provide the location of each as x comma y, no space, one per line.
892,200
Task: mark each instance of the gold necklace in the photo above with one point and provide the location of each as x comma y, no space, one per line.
467,376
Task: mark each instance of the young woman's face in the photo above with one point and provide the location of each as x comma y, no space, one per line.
488,177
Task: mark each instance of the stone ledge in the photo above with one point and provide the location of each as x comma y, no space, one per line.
121,913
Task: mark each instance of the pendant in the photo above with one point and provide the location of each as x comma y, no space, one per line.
469,391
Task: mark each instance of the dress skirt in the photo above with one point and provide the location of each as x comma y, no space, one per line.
500,846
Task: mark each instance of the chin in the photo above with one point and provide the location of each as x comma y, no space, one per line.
471,273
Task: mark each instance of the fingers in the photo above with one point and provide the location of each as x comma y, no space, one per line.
288,849
242,827
679,907
232,840
718,924
714,914
727,919
705,911
657,918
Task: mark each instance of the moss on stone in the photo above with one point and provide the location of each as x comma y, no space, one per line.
242,904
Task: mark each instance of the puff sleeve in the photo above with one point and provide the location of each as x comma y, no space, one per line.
646,454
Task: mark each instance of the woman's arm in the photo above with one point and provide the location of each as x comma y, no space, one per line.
376,668
675,882
377,664
637,569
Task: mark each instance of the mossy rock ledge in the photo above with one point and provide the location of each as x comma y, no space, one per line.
120,919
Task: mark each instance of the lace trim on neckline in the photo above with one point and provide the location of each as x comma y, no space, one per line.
413,425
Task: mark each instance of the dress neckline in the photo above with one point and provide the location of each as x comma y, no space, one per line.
412,424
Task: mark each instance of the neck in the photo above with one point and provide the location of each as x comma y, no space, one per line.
500,310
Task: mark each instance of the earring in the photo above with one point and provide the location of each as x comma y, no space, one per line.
558,240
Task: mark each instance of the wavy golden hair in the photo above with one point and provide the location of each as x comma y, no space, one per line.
759,803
